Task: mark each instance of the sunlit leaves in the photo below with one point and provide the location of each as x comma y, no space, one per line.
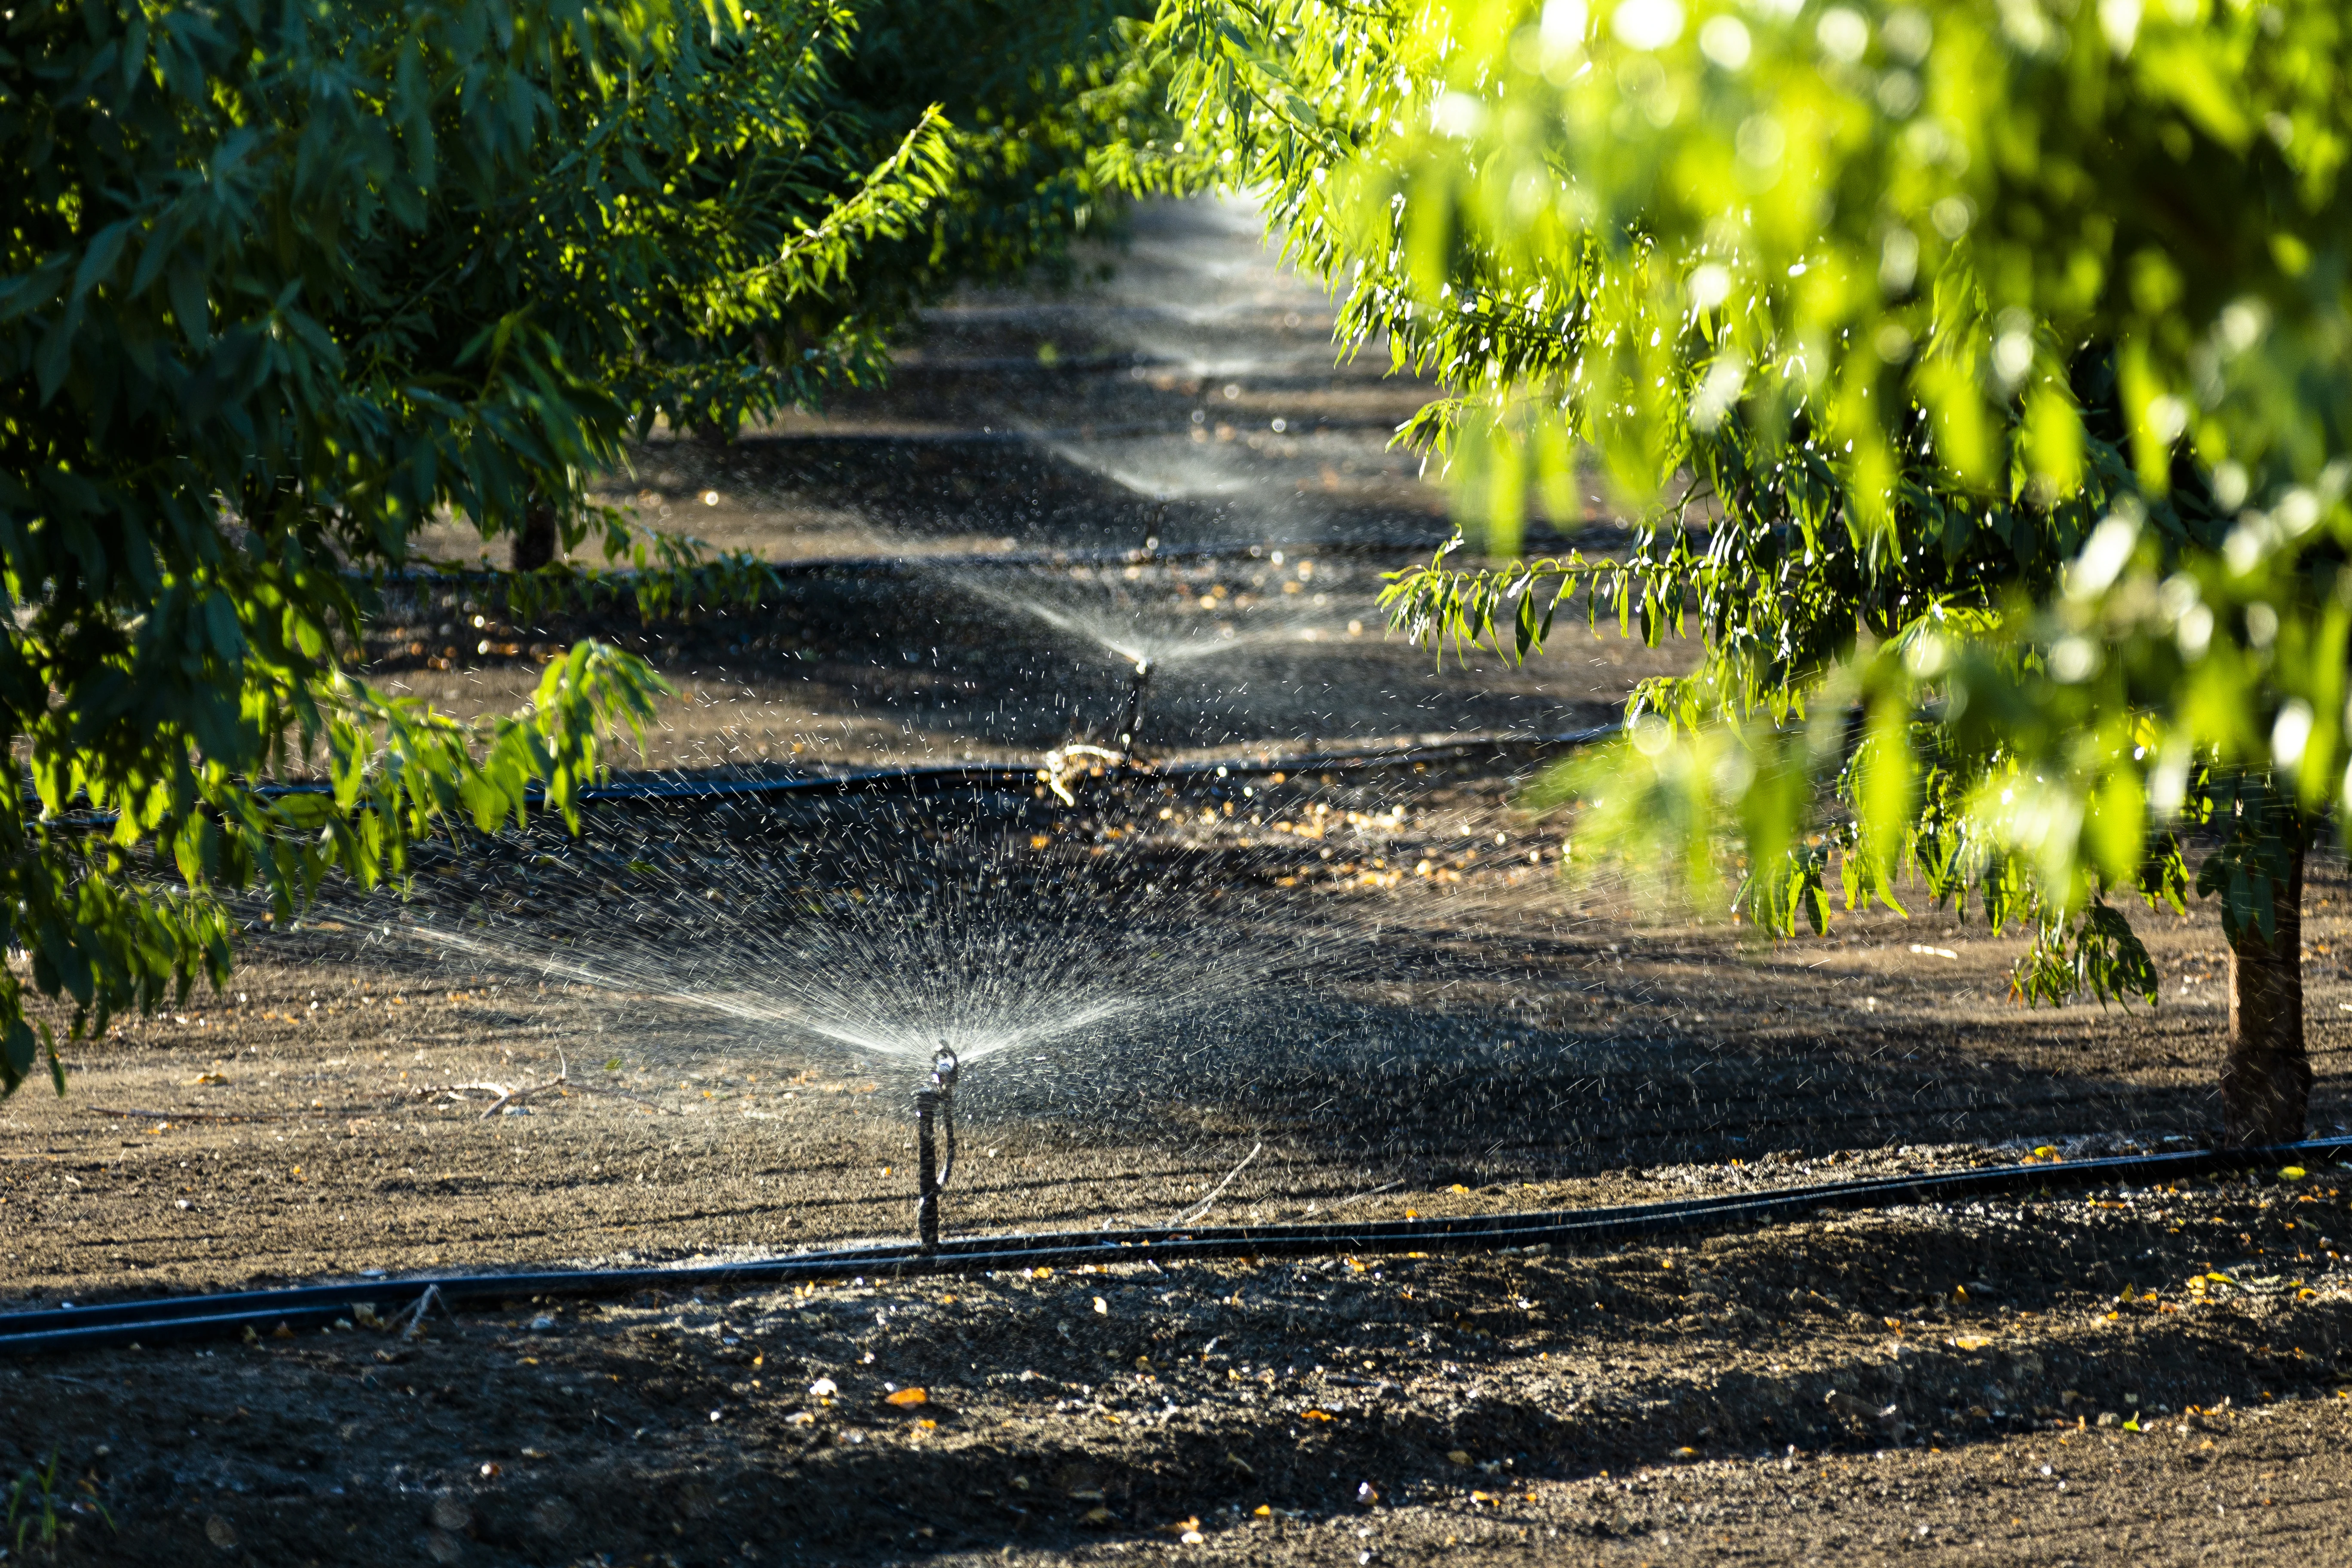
2098,955
1885,788
1876,316
1914,217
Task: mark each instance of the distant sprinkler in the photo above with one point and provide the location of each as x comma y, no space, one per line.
934,1115
1066,764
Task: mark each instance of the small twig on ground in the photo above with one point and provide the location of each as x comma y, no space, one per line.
1073,762
1185,1216
1368,1192
516,1096
503,1096
415,1315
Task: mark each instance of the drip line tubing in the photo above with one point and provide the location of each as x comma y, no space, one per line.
931,779
318,1305
1002,777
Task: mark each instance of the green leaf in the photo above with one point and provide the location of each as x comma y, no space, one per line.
191,310
97,261
55,356
31,290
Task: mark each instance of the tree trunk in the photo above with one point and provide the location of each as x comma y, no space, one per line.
2266,1076
534,543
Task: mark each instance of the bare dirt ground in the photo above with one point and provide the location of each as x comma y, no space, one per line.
2053,1395
1360,994
1705,1397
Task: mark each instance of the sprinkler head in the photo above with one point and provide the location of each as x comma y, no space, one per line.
943,1067
1142,666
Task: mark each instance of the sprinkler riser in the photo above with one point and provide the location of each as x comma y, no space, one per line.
934,1109
1130,719
926,1166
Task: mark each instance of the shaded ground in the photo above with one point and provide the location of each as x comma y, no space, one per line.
948,667
2020,1383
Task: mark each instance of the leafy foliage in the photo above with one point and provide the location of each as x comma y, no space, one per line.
1981,372
1036,100
278,286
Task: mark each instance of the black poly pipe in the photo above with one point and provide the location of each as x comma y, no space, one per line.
316,1306
930,778
933,778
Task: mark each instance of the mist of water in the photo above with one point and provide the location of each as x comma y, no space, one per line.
1119,620
1160,468
886,945
888,992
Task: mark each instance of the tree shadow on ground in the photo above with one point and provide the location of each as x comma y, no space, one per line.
1733,1351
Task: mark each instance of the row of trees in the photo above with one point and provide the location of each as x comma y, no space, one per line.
279,285
1979,374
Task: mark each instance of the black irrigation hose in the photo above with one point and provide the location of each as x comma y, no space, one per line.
931,779
318,1305
1004,778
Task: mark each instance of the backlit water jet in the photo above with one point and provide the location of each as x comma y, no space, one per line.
995,929
1054,961
1116,620
900,1005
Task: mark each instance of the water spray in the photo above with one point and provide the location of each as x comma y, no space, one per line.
934,1113
1066,764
